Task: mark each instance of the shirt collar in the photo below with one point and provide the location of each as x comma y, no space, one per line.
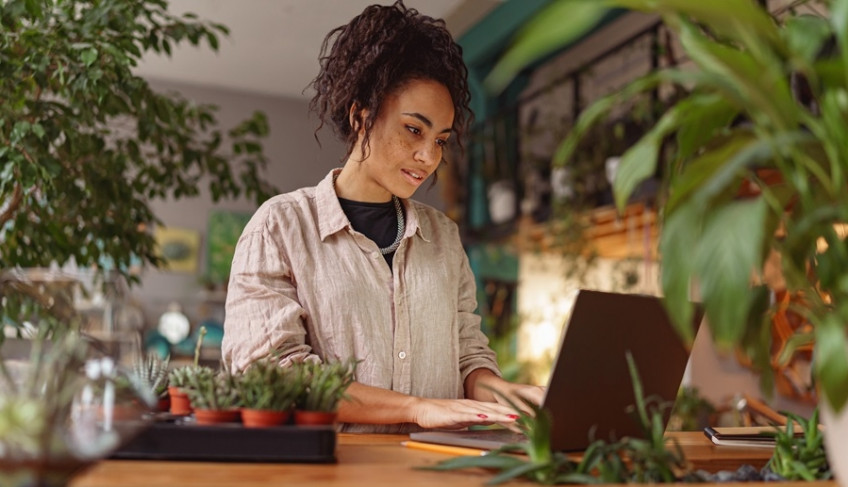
331,217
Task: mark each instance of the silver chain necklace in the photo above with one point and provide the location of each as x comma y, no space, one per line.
401,223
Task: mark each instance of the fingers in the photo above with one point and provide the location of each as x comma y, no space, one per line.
460,413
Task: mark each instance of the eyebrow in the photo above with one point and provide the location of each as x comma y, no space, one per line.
426,121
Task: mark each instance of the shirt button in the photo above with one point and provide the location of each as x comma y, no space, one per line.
402,355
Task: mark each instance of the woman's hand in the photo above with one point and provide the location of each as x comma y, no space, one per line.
484,385
460,413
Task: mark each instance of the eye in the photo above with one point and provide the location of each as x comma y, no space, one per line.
414,130
441,142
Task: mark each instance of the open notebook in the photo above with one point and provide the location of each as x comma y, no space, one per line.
590,389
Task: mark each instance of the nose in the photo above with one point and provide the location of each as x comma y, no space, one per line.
428,153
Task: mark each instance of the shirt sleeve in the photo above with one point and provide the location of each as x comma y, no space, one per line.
474,351
262,314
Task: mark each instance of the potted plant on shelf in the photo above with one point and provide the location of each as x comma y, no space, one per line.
766,112
268,393
324,386
214,396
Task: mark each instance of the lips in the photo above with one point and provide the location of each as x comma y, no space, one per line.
414,177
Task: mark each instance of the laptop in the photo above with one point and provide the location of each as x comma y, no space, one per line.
590,389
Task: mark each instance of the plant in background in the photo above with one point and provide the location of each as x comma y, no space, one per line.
85,143
324,384
691,412
764,112
800,457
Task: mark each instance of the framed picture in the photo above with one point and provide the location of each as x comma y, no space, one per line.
223,231
179,248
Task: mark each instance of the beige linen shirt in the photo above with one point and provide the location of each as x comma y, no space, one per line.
305,284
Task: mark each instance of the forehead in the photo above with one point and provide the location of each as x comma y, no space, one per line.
426,97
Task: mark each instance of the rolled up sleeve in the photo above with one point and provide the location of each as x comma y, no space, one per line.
474,351
263,315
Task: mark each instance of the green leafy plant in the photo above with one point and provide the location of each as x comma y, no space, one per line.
800,457
324,384
765,109
628,460
85,143
267,386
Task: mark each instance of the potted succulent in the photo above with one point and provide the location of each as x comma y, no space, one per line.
214,396
179,378
151,371
268,393
765,112
324,386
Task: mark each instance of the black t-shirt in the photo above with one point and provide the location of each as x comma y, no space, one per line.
377,221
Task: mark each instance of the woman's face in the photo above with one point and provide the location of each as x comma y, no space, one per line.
407,140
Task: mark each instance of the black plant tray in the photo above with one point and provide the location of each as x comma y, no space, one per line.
232,442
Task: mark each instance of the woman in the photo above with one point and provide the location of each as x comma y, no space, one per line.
352,267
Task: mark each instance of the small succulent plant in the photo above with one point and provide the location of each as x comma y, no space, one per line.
151,371
325,384
267,386
213,391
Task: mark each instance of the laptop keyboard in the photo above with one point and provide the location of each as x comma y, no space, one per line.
500,435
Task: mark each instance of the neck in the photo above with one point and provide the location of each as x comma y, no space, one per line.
351,184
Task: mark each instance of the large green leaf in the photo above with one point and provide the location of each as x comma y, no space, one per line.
839,20
721,168
640,161
805,35
679,241
762,89
729,252
740,20
834,113
831,360
556,26
704,116
703,170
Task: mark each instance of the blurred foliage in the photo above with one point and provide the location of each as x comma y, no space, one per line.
757,162
85,144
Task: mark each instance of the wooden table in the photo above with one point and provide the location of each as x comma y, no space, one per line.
369,460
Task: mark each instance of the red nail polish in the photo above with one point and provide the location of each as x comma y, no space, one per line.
512,416
482,416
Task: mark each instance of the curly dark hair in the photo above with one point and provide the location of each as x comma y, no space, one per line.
376,53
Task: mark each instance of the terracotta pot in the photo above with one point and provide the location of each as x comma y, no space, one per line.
314,417
163,404
216,416
262,418
180,404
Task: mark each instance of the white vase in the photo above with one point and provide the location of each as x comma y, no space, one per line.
835,435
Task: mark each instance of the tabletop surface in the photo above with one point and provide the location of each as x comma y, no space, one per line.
369,460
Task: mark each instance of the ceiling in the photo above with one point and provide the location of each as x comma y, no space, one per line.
273,45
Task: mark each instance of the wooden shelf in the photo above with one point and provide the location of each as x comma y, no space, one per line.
608,234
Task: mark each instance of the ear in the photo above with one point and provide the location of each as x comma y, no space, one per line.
356,125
